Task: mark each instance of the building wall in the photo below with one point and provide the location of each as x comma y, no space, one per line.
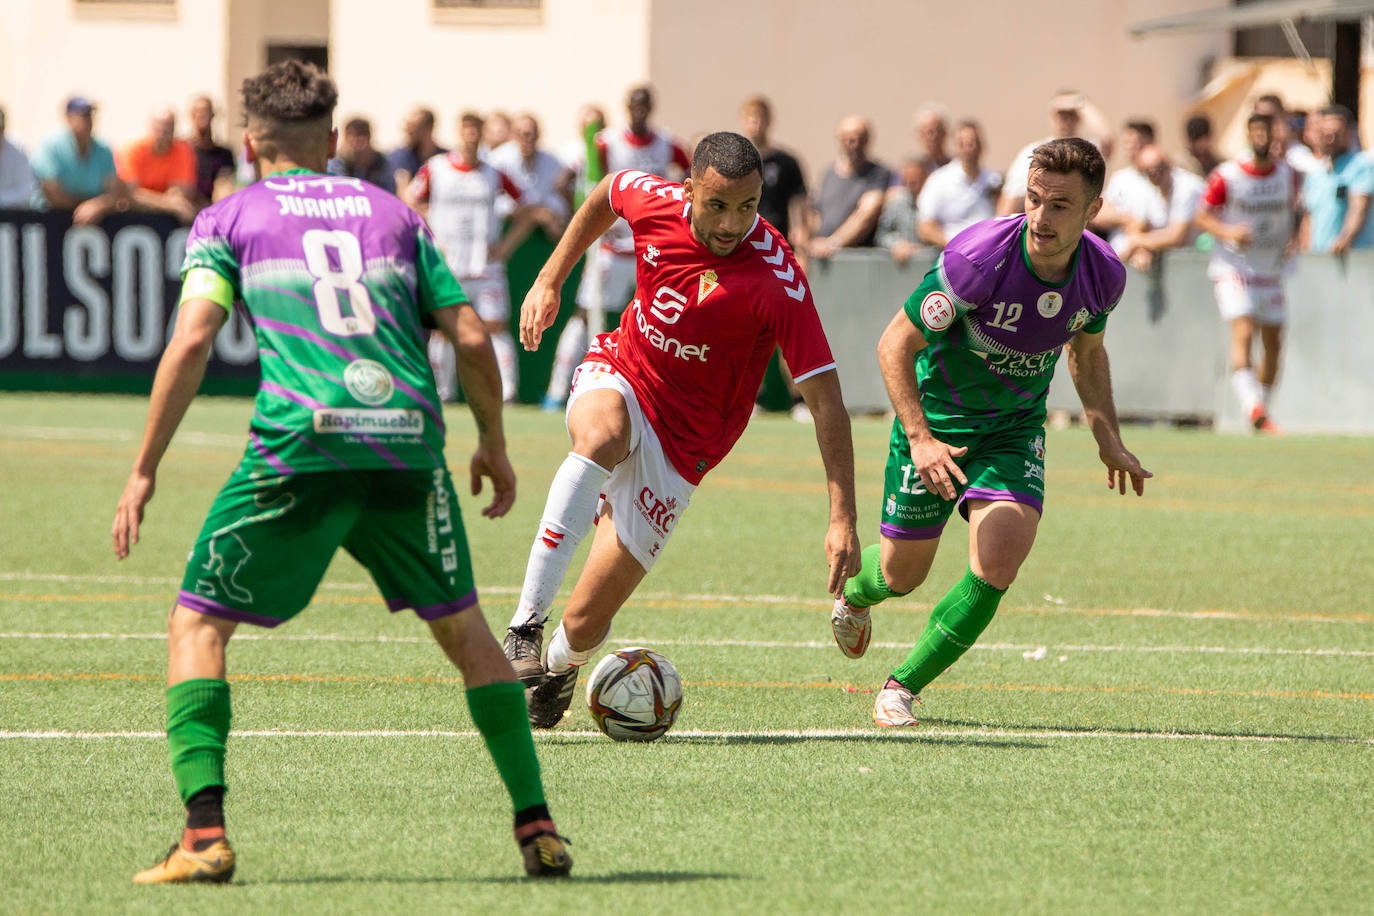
577,51
998,61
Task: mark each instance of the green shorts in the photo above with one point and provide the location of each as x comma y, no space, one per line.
267,542
1005,465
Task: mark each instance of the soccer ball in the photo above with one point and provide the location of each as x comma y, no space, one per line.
634,694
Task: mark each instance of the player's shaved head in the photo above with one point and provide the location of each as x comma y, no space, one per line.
729,153
289,109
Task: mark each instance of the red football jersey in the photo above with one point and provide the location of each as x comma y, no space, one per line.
696,340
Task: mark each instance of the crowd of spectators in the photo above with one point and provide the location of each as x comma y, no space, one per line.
858,202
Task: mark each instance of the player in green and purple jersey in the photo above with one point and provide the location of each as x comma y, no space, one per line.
967,362
345,449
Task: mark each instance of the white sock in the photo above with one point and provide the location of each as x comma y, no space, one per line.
445,366
561,656
1247,389
572,346
504,346
1266,394
567,518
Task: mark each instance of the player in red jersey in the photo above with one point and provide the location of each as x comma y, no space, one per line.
661,399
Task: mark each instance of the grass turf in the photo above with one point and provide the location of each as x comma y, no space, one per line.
1229,605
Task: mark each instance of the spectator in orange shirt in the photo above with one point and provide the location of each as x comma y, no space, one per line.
162,169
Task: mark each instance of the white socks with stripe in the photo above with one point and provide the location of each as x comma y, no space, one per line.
567,518
560,656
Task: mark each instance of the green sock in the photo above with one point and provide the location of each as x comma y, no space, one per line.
960,616
502,717
868,588
197,729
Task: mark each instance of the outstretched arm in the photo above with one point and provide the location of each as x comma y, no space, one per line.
589,223
933,459
1091,373
481,381
822,395
178,377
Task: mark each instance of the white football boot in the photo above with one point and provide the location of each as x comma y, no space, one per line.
852,628
892,708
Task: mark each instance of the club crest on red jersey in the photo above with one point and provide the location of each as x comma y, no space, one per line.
707,284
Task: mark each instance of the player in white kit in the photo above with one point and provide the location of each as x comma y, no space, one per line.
1251,208
608,279
459,194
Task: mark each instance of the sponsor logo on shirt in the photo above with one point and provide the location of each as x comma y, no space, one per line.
651,256
937,311
668,305
655,336
369,382
365,421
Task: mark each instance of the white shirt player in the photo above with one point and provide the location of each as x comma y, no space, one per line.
463,209
653,153
1133,193
1266,201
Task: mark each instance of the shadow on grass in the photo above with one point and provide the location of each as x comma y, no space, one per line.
883,737
1204,733
624,877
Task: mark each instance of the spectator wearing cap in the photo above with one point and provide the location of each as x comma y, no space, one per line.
214,163
17,185
76,172
959,194
161,169
851,195
358,158
1071,115
1336,192
1201,145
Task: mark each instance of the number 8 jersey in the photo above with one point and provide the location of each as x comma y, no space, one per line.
337,277
995,330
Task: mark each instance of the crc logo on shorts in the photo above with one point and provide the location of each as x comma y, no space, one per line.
659,513
1049,304
937,311
1079,319
369,382
668,305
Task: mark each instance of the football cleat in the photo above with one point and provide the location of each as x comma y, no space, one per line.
892,708
1259,419
549,700
545,852
214,864
852,628
522,647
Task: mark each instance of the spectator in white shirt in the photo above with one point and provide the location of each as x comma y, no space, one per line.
1159,211
17,185
958,194
539,176
1071,115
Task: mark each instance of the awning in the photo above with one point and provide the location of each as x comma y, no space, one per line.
1273,12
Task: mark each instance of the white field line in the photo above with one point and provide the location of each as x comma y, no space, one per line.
746,644
704,598
799,734
98,434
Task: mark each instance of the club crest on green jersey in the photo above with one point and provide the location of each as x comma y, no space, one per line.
1079,319
1049,304
369,382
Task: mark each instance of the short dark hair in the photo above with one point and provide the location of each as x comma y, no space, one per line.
644,94
1197,127
1146,129
289,105
1257,118
758,103
729,153
1338,111
1271,99
1072,155
471,118
426,117
358,126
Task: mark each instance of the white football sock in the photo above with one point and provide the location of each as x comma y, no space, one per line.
561,656
567,518
1266,394
572,346
445,366
1247,389
505,361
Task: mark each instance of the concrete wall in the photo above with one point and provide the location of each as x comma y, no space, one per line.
1166,341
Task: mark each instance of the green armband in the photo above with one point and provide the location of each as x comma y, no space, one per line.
204,283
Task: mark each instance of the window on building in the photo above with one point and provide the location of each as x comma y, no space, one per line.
310,54
1270,40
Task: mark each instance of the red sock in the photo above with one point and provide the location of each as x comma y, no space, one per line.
198,839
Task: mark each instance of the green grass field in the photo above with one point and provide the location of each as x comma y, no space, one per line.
1172,712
